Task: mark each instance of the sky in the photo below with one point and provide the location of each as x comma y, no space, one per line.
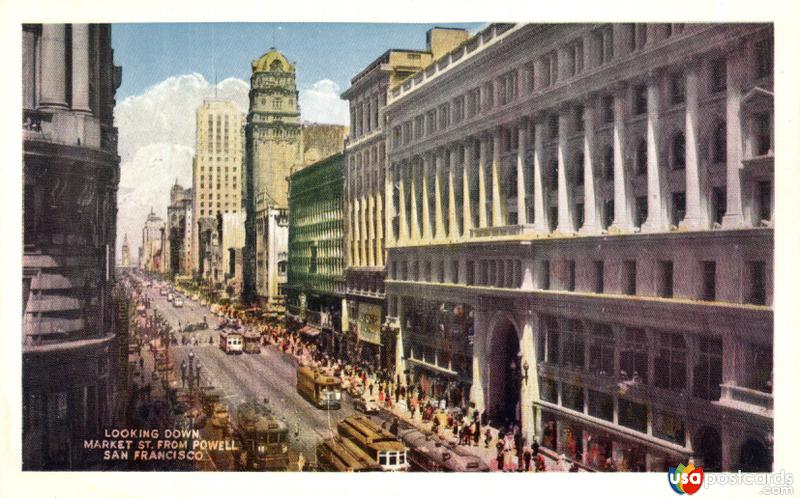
168,69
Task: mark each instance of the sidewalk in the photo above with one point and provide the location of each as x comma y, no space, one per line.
488,455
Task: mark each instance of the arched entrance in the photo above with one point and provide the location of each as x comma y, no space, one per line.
708,449
504,374
755,457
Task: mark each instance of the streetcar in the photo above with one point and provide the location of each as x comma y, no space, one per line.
263,439
231,342
252,342
381,445
323,391
430,453
342,455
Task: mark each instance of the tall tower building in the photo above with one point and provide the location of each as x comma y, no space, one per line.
273,147
216,168
126,252
71,173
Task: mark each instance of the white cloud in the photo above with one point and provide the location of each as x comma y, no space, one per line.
157,138
321,104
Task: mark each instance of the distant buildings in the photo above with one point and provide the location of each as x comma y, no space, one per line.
315,285
365,204
126,252
179,231
153,243
71,172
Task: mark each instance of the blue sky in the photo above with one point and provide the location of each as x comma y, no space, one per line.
149,53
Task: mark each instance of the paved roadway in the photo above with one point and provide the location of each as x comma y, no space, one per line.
269,375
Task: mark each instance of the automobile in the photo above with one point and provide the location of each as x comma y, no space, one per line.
170,297
177,302
195,326
195,297
162,292
366,404
219,415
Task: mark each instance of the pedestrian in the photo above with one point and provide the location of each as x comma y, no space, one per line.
465,434
476,435
370,389
455,432
539,463
520,447
574,467
500,452
141,363
508,447
535,448
488,437
526,458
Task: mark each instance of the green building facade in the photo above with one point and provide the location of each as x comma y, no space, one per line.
315,281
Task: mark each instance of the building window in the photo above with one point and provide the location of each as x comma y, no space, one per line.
572,397
709,275
548,389
570,275
454,271
508,87
678,211
638,36
665,278
629,277
641,157
763,130
552,337
601,350
608,213
764,58
579,172
458,109
470,273
553,218
764,192
552,126
601,405
530,71
641,211
577,118
608,163
573,344
757,273
545,275
677,89
719,203
678,151
640,99
473,102
599,276
488,96
553,174
607,108
575,58
633,415
444,116
633,356
719,75
670,372
758,375
604,43
669,427
720,143
708,369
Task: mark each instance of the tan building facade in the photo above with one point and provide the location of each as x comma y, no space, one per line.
216,166
581,237
365,208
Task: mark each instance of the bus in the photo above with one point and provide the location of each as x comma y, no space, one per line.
263,439
252,342
231,342
323,391
342,455
381,446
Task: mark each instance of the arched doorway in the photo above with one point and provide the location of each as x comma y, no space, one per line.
504,374
708,449
755,457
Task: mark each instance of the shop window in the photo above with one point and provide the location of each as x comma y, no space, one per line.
553,335
553,176
633,415
670,372
669,428
629,277
549,431
709,275
708,369
665,278
601,351
599,277
633,356
547,390
573,354
572,397
757,272
601,405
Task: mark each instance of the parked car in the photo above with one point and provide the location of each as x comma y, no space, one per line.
162,291
170,297
177,302
366,404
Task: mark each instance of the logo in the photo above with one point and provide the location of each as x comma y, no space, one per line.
685,479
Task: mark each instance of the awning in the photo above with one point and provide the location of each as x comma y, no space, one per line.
309,331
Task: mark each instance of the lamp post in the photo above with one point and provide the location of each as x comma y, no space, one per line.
191,371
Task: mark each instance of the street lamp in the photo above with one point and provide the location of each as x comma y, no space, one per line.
525,368
191,370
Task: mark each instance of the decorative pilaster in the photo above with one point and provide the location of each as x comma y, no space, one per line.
522,210
438,209
695,218
415,235
54,92
622,212
656,216
466,193
590,205
427,231
452,217
736,69
565,224
498,197
482,216
540,216
80,67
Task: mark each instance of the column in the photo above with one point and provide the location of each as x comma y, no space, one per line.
402,233
736,68
54,92
530,388
565,224
622,213
380,228
371,239
695,218
656,219
412,165
540,216
527,274
465,191
399,357
356,232
80,67
498,197
479,360
437,194
29,76
590,207
427,232
451,195
363,217
522,210
482,218
390,209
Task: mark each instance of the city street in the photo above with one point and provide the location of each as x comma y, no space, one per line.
270,375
